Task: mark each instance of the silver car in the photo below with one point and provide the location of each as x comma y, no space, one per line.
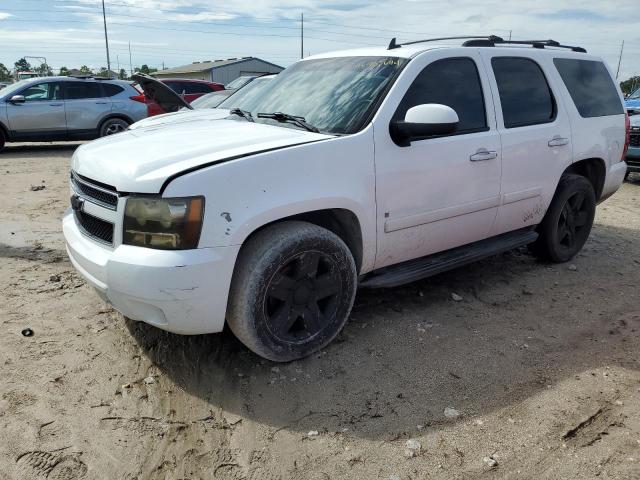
67,108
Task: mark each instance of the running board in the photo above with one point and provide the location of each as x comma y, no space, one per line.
428,266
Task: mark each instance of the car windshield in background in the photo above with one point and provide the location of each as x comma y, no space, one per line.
635,95
332,94
238,82
246,94
210,100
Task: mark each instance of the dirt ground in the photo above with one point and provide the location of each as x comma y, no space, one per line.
535,373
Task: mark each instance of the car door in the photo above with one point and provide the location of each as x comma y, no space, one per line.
535,134
42,113
440,192
85,106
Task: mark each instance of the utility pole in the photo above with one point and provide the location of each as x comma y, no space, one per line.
302,35
130,62
106,40
620,59
510,31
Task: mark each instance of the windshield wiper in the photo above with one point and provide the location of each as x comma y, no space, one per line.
285,117
242,113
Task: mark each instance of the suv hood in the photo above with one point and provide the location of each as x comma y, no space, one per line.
180,117
141,160
157,91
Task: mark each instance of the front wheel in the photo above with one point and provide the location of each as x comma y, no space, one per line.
292,290
2,140
567,224
113,126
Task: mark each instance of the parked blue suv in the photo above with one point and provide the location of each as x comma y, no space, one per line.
632,104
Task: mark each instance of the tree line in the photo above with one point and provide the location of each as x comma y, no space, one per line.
44,70
627,86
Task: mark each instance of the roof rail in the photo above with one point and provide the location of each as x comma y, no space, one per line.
491,42
93,77
393,43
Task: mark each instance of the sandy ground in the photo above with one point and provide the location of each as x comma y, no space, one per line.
534,374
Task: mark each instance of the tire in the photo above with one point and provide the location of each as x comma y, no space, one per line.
292,290
567,224
2,139
111,126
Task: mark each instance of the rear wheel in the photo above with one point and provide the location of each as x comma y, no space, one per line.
567,224
112,126
292,290
2,139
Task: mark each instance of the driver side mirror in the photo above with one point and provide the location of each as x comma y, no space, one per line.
17,99
424,121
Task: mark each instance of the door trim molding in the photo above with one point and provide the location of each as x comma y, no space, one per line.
441,214
514,197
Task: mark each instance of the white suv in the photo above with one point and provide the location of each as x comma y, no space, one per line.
367,168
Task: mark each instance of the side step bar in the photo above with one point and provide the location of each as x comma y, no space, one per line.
428,266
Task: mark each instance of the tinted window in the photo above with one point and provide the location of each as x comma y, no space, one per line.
590,87
42,91
175,86
453,82
109,89
80,90
524,92
196,87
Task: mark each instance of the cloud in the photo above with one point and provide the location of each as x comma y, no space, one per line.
197,29
4,15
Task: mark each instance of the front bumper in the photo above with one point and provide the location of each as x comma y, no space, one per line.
181,291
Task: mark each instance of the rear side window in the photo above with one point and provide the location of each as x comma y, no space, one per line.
590,86
110,89
80,90
175,86
453,82
525,95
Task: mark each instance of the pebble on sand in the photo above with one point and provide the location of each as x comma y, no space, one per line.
451,412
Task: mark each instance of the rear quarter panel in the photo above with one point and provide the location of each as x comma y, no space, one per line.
245,194
596,137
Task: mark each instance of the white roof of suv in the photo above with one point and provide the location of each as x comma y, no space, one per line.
411,49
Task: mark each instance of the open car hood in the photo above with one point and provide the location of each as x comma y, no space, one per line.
157,91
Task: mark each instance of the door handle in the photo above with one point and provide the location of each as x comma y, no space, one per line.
101,103
55,104
558,141
483,155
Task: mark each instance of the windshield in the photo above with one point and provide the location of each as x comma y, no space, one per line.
238,82
14,87
332,94
635,95
246,93
210,100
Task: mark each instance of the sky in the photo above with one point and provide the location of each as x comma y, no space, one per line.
177,32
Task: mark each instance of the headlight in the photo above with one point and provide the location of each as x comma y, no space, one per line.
163,223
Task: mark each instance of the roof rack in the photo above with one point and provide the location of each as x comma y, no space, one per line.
490,41
393,43
93,77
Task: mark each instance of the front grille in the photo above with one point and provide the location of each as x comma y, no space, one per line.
635,140
100,230
95,192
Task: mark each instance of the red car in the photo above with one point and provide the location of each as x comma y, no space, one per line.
189,90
